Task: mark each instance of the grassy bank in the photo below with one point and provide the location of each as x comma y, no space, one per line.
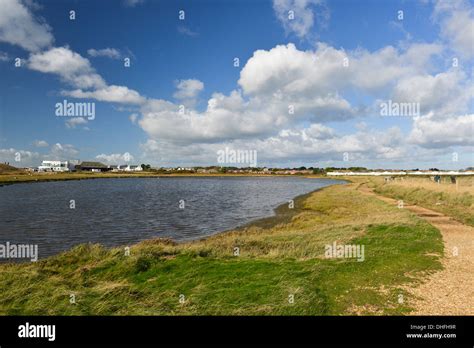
455,201
26,177
277,262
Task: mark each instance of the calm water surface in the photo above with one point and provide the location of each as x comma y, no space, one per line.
124,211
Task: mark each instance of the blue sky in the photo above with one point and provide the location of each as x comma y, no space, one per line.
283,62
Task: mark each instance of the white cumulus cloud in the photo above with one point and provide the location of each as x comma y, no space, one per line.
69,65
429,131
41,143
299,16
104,52
187,91
115,158
19,27
112,93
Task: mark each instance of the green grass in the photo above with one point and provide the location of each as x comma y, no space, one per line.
459,205
276,261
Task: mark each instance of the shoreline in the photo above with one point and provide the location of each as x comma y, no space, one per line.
64,177
281,213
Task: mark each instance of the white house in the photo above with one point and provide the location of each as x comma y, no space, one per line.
128,168
55,166
134,168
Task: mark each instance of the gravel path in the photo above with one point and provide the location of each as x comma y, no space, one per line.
451,290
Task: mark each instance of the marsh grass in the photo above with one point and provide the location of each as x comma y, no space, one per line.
16,176
276,260
444,197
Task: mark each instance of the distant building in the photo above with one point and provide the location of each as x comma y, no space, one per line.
134,168
207,171
55,166
93,167
127,168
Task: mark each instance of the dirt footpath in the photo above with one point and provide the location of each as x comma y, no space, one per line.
451,290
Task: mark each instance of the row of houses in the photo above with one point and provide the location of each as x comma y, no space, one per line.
263,170
126,168
100,167
68,166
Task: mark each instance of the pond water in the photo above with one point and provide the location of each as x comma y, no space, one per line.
123,211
